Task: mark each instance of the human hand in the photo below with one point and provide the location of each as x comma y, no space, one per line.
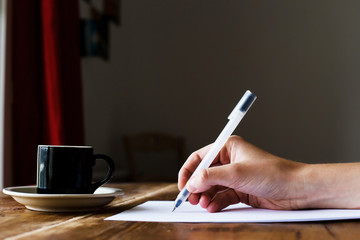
243,173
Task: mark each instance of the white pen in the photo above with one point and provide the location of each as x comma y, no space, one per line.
234,119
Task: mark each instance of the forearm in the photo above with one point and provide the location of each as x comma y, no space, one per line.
329,185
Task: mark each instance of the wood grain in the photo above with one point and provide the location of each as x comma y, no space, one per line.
20,223
16,222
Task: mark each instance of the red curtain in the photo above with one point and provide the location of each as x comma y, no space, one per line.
46,81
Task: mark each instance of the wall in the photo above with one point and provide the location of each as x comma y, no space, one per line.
181,66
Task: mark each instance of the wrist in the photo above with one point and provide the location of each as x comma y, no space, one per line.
329,186
312,191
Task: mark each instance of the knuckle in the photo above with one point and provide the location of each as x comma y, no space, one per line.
194,155
204,176
236,139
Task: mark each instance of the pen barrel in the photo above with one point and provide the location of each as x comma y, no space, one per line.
211,155
234,119
184,194
219,143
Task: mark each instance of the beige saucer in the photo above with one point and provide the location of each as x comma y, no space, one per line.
32,200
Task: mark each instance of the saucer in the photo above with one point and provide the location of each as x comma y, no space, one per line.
27,195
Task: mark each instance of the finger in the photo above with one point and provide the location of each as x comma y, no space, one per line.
194,198
190,165
205,198
205,179
222,200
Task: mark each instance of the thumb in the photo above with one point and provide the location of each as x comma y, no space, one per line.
225,175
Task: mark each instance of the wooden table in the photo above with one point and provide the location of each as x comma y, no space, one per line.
16,222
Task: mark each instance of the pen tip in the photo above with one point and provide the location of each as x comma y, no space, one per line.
173,209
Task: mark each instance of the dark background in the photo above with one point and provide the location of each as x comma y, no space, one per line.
181,66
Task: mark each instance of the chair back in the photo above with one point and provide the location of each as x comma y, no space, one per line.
154,157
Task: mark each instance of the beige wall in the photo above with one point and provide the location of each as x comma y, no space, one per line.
181,66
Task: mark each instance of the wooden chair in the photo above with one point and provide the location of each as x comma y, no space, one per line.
154,157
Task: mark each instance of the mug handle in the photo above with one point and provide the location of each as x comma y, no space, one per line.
109,174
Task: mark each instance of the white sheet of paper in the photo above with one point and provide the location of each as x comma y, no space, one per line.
160,211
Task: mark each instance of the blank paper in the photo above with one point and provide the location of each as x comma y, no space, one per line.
160,211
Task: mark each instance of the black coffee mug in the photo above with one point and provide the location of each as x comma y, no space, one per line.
68,169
